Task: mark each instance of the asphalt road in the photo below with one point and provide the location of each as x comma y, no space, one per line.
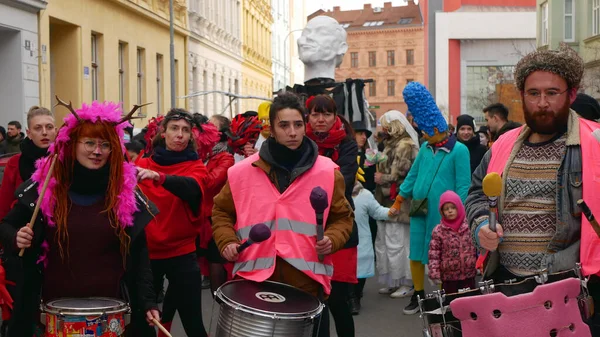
380,316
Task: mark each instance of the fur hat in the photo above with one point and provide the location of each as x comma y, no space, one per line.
423,108
564,62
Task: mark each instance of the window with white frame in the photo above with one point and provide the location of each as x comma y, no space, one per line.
596,17
544,28
159,84
122,56
140,78
569,20
94,70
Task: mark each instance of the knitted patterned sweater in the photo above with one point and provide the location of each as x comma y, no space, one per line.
529,218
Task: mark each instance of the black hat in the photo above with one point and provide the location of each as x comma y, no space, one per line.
587,107
361,127
465,120
483,129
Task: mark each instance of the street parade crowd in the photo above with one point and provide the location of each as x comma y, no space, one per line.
302,194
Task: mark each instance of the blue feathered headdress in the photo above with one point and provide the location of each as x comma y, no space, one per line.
423,108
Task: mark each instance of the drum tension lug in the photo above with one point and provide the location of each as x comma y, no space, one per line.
486,287
542,276
584,280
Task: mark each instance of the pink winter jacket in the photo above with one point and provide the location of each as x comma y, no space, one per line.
452,254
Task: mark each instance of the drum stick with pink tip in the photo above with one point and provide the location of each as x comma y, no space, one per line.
161,327
40,198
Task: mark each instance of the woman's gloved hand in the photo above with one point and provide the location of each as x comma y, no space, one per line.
395,209
360,174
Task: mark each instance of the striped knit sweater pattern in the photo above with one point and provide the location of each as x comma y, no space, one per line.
529,216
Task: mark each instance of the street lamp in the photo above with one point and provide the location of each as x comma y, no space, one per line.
285,58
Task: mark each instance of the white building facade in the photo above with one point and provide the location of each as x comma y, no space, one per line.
281,43
20,58
215,58
477,48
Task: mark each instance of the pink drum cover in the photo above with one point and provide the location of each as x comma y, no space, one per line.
549,307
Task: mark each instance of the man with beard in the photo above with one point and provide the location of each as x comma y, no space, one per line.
546,167
465,133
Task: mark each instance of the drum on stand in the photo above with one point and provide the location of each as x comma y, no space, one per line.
252,309
439,321
93,317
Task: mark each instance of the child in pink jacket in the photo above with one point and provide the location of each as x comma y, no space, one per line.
452,255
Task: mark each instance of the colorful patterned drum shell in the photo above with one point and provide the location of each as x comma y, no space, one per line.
85,317
251,309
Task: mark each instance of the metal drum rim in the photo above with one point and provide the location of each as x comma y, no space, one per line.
268,314
121,307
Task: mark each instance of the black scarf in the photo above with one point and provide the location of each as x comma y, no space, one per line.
284,156
90,182
164,157
30,153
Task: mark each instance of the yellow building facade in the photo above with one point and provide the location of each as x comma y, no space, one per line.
112,50
257,77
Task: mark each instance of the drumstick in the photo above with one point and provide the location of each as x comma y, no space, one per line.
39,200
161,328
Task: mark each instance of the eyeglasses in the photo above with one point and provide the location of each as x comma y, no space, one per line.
534,96
91,146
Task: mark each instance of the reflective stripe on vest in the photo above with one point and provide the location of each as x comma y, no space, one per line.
297,227
268,262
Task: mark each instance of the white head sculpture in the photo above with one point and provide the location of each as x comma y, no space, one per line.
322,47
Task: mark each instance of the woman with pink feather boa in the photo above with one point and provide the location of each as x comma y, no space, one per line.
89,239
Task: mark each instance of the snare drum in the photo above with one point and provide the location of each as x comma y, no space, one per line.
85,317
251,309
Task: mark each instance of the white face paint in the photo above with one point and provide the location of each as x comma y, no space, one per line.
322,47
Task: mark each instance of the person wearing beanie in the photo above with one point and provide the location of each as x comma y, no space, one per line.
452,255
465,133
442,164
546,166
587,107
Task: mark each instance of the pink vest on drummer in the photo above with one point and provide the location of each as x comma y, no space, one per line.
590,153
289,215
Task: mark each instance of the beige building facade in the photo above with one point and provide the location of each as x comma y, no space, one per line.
257,75
114,50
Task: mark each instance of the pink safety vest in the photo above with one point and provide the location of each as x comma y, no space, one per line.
590,152
289,215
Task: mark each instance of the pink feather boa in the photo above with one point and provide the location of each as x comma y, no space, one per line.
106,112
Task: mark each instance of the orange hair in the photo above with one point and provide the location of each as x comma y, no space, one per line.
63,172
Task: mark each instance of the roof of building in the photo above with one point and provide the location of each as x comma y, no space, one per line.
376,17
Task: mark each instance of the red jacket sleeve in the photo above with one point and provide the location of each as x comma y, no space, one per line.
10,182
217,172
